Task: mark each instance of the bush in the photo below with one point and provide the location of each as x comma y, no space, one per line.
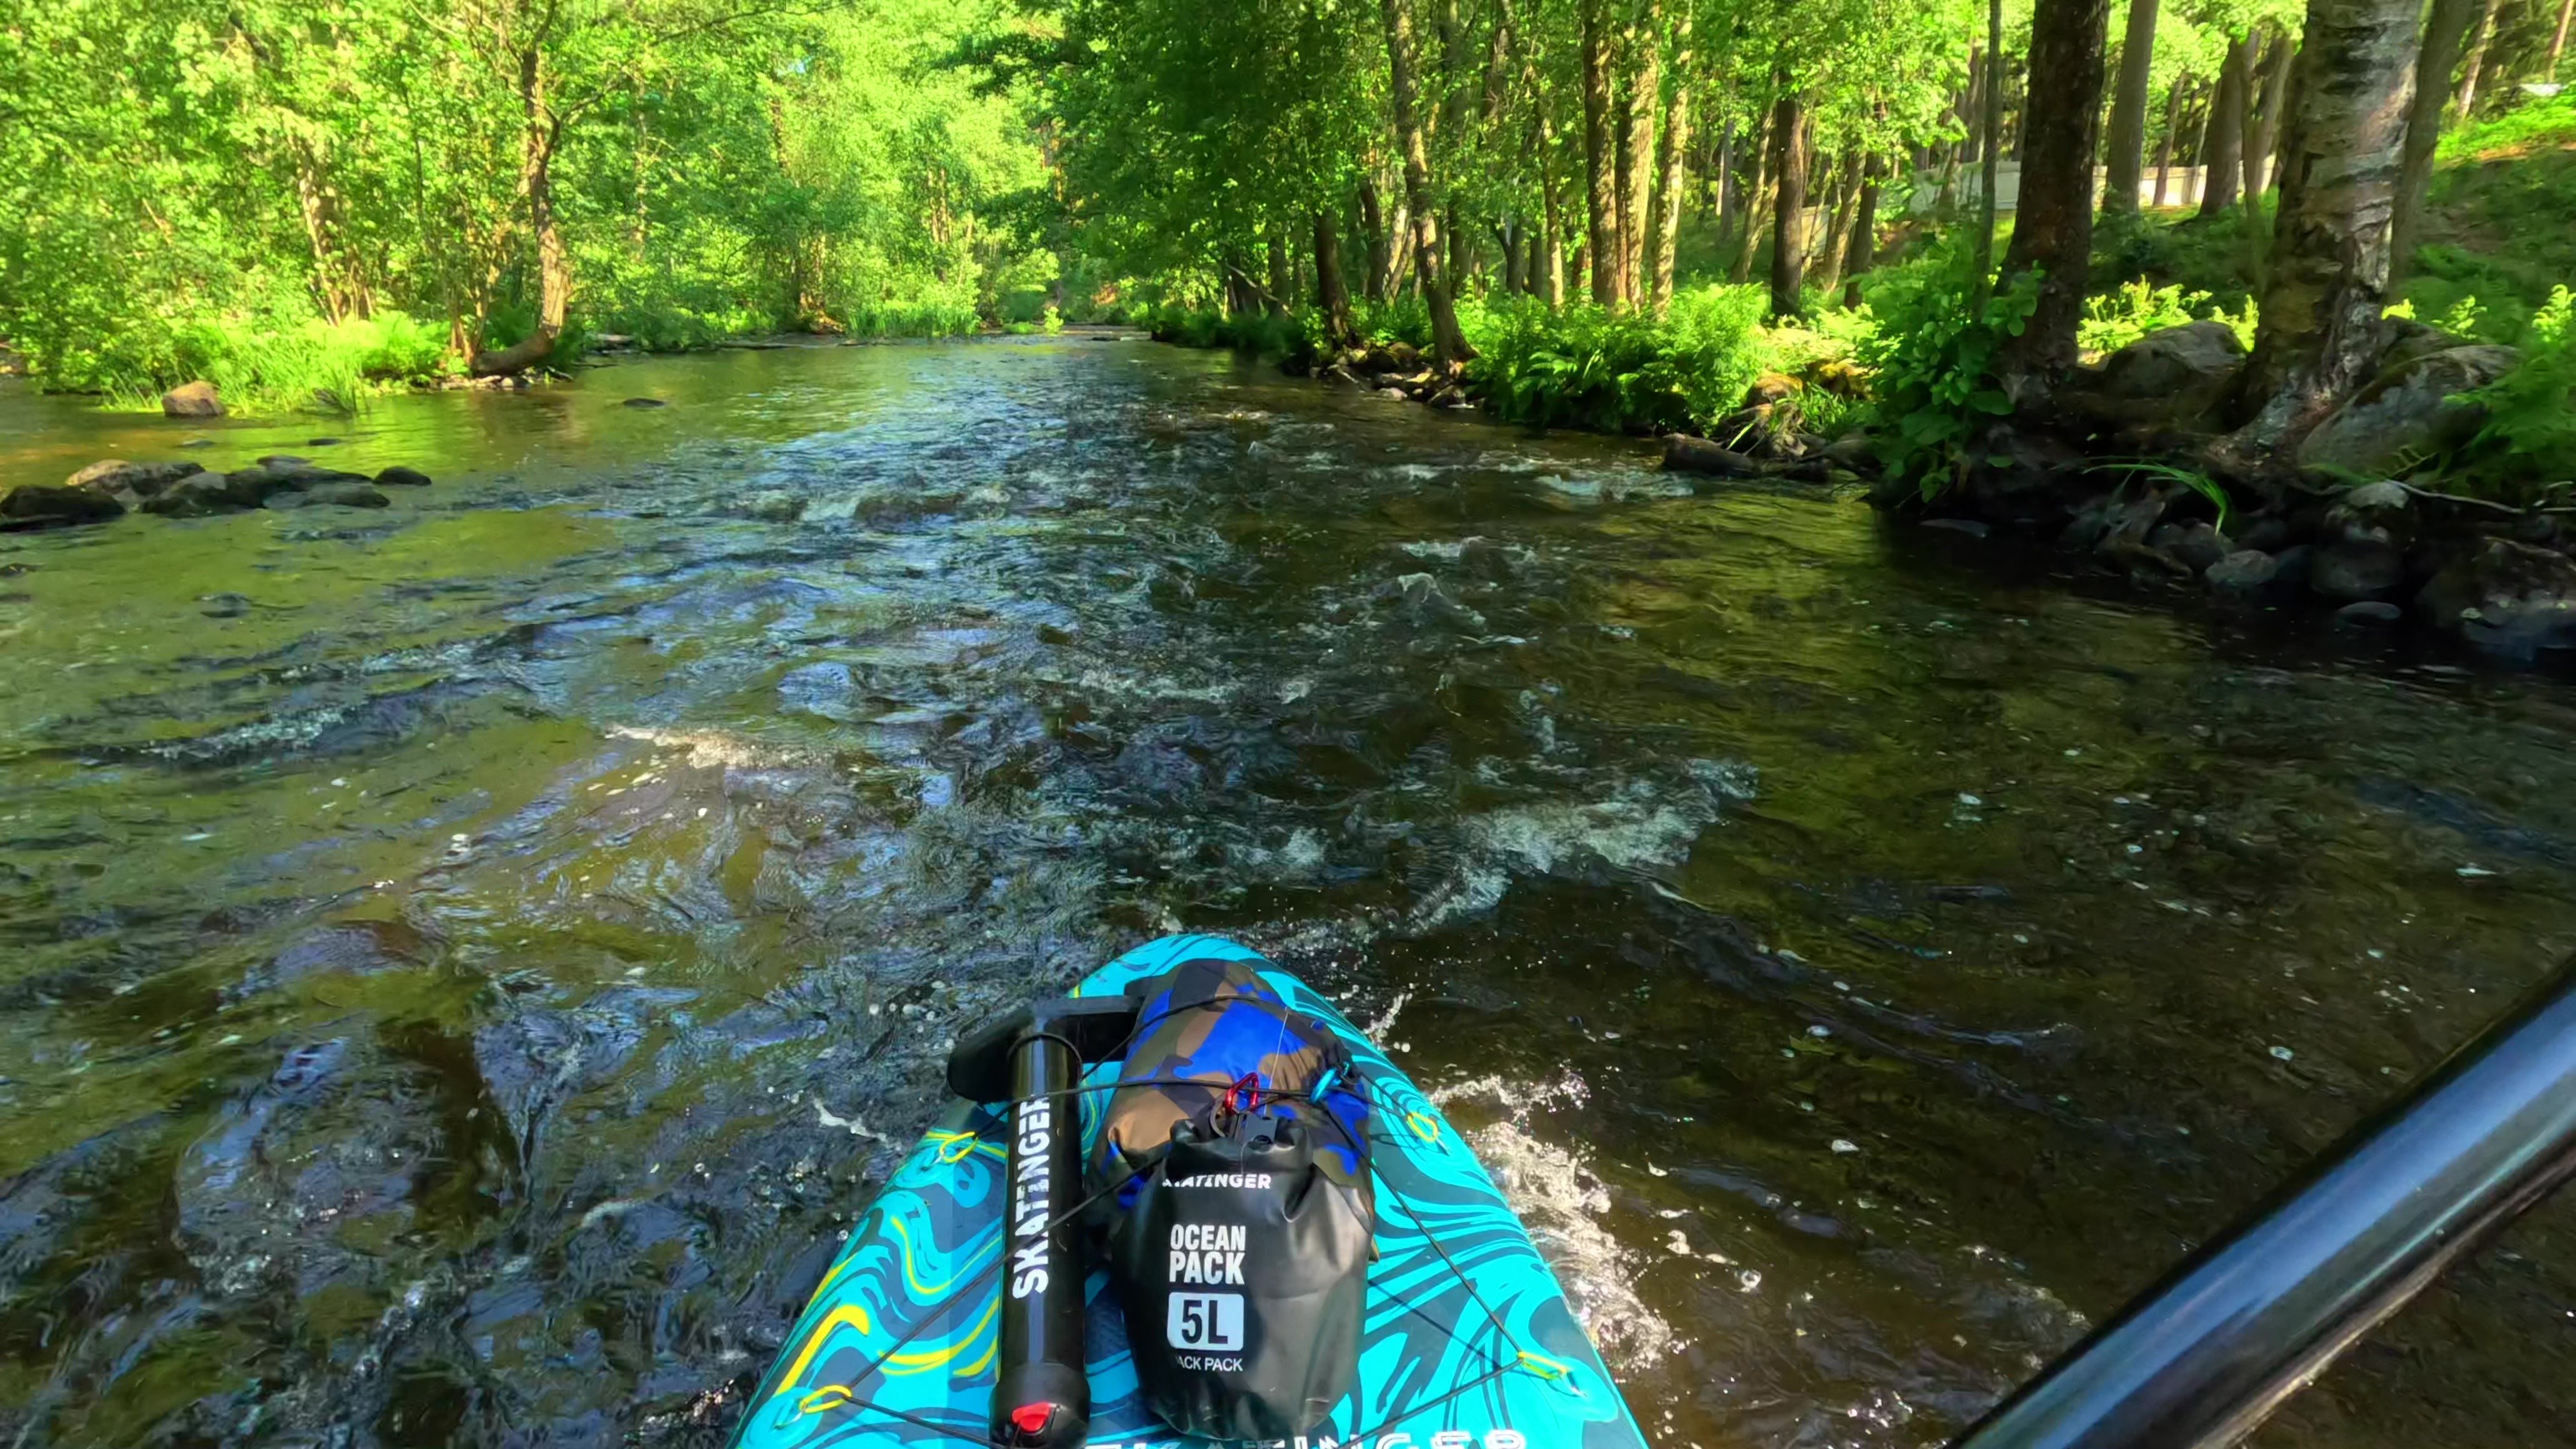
1622,372
2130,311
2529,439
1933,357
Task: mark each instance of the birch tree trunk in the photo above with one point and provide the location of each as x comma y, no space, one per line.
2125,148
2479,35
2319,327
1447,342
2053,222
2266,134
1981,280
1862,254
2165,147
2444,31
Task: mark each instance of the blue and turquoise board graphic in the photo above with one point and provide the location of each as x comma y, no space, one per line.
897,1346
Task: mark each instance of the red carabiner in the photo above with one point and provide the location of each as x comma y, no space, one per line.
1248,1089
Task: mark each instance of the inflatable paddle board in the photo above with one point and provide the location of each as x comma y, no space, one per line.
1466,1341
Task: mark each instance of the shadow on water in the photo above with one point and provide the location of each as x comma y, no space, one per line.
465,965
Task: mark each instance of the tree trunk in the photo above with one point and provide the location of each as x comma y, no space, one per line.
1283,278
2053,223
2125,149
1601,193
2479,35
2558,41
1448,343
1789,204
1672,154
2444,31
1982,246
2165,147
1330,294
2319,324
1645,91
538,135
1862,254
1373,235
2267,117
2222,144
1843,195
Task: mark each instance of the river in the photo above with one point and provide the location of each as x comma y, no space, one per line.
464,964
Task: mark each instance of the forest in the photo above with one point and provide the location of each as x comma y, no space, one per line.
1926,214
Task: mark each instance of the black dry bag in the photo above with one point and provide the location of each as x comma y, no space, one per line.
1242,1270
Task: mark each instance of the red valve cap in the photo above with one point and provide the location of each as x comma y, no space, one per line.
1032,1418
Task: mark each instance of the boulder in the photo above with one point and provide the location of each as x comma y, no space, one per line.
200,494
402,477
130,483
2369,614
2246,571
2408,414
2167,378
1686,454
2029,479
2509,598
2196,546
2361,545
1840,376
192,400
51,505
1403,356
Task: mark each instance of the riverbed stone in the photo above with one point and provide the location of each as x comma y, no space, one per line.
2370,614
200,494
1969,526
2509,598
2246,571
399,476
2197,546
2356,568
32,506
337,494
2408,414
130,483
192,400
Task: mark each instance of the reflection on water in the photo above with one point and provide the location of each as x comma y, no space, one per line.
466,963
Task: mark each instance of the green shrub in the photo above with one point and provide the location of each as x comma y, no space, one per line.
1585,366
2529,439
1933,364
2114,319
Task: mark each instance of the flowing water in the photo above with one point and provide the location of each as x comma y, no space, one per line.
464,965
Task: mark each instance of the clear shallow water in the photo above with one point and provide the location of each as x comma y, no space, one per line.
464,965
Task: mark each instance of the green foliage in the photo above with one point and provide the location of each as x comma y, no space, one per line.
2114,319
1933,363
1621,372
261,367
2191,478
2529,437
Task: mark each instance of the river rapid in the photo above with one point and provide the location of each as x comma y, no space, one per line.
464,965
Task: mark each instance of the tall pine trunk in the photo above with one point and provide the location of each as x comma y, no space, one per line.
2479,35
1601,191
2445,30
2223,143
1789,203
2053,223
1448,343
2125,148
1672,156
2318,330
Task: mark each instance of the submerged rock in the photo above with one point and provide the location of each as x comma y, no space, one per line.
2196,546
338,494
2510,598
200,494
1686,454
2361,546
48,505
2245,571
644,402
131,483
2409,414
192,400
2369,614
399,476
